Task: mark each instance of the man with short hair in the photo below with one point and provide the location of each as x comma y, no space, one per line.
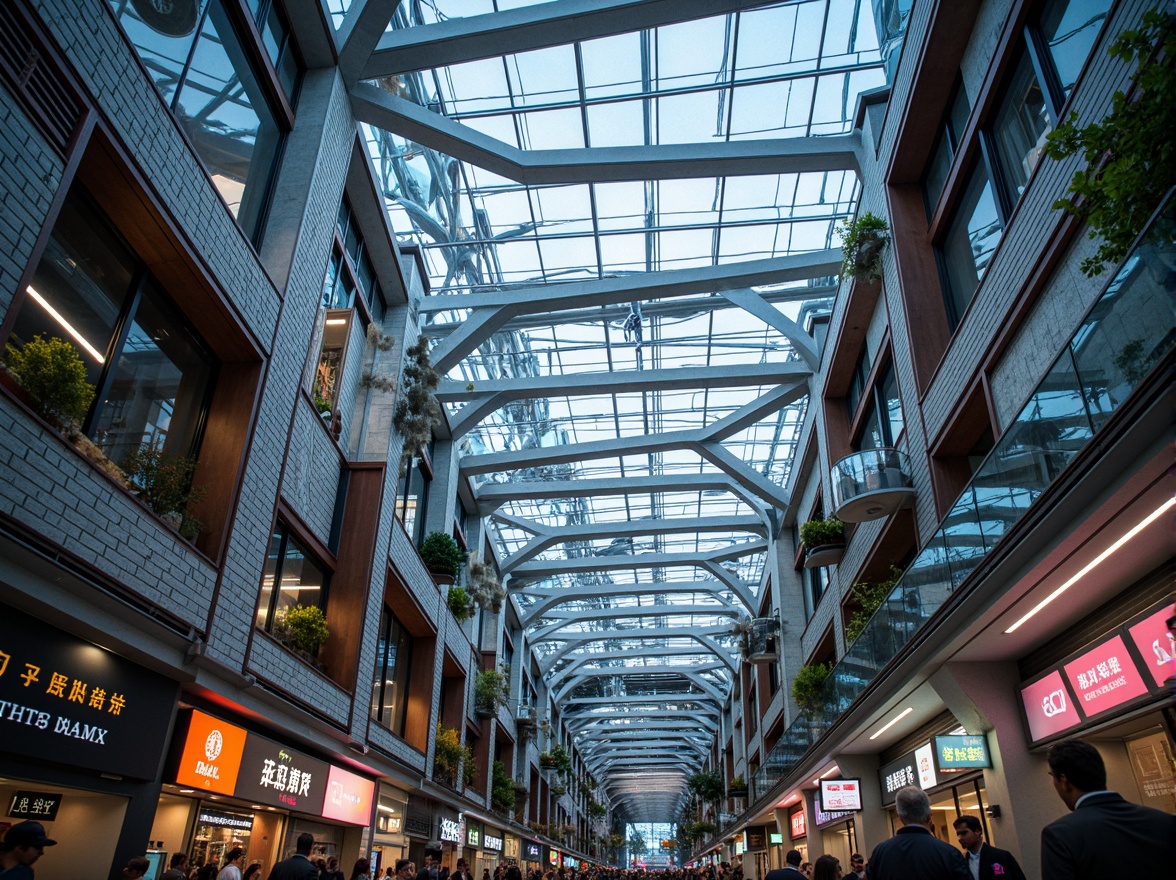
176,872
1103,835
914,853
298,866
790,871
232,868
136,868
984,861
23,844
857,868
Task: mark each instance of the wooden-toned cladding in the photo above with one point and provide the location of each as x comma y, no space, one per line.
423,663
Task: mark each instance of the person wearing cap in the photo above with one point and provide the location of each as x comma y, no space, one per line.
23,844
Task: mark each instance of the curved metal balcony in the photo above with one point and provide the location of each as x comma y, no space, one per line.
871,484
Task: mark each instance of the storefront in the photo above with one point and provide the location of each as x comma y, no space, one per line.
389,841
83,733
755,851
837,832
511,849
493,843
451,835
531,855
955,787
473,845
554,858
229,787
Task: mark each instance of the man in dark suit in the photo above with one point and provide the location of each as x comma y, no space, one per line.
298,866
984,861
914,853
790,871
1104,835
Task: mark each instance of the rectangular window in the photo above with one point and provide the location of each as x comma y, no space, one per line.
946,147
412,499
972,236
151,374
881,419
1018,132
325,385
1068,30
291,577
393,665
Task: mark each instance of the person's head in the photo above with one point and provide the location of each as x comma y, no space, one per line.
793,857
827,868
857,863
305,843
513,873
25,842
362,866
136,867
913,805
806,868
332,863
1076,768
236,854
461,864
178,860
404,869
251,872
969,832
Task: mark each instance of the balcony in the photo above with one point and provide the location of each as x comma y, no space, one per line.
871,484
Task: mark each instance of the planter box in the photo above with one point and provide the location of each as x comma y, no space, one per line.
824,554
443,578
737,792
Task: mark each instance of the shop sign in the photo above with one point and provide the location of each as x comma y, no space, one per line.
775,838
1048,707
553,857
491,842
65,700
349,797
473,835
211,757
1104,677
895,775
960,752
925,765
226,820
279,776
417,822
754,840
841,794
1156,644
41,805
530,851
450,831
797,826
823,818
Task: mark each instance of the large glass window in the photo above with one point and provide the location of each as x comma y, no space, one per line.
971,238
1068,29
1019,131
390,683
881,413
201,69
412,498
292,577
151,373
945,149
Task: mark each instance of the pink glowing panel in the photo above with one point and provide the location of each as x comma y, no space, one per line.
1156,644
1105,677
1048,707
349,797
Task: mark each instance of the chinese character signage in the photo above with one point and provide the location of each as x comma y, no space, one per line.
754,840
1104,678
775,838
492,842
1048,707
797,826
450,831
824,818
40,805
960,752
531,851
841,794
895,775
67,701
279,776
473,834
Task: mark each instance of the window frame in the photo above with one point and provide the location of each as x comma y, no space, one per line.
389,622
312,549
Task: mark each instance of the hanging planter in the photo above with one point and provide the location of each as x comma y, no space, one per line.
824,541
862,242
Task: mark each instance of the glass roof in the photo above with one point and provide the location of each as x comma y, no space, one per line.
641,499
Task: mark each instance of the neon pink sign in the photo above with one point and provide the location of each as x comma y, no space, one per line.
1048,707
1105,677
349,797
1156,644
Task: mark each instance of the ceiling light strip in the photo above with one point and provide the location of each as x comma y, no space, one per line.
893,721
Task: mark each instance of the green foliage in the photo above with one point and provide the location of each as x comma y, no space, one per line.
460,604
440,553
450,756
52,374
490,689
483,585
736,782
556,758
502,791
808,686
706,785
417,411
165,484
820,531
597,810
862,241
304,627
637,845
869,598
1131,160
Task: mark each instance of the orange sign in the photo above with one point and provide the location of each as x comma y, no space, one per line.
212,754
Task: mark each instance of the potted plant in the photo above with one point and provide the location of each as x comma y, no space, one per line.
556,759
460,604
165,485
737,788
442,557
417,411
450,756
824,541
869,598
482,584
862,242
52,376
558,789
808,688
303,628
502,792
490,688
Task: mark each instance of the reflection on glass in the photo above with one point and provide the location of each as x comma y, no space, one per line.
393,663
1020,129
969,243
1070,28
291,577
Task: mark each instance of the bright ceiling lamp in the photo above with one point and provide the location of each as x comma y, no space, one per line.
1090,566
66,325
893,721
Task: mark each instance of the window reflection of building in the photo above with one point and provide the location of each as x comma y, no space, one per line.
218,831
393,664
292,577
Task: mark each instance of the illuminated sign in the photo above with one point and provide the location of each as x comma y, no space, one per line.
491,842
1104,677
67,701
797,825
960,752
277,775
349,797
531,851
41,805
1156,644
450,831
553,857
841,794
211,758
1048,707
925,766
775,837
754,840
739,846
226,820
824,818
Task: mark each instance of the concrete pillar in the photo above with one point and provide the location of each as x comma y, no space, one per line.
984,697
871,823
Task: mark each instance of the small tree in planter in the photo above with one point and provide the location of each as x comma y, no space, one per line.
737,787
808,688
53,377
490,688
502,791
556,759
442,557
862,242
166,486
869,598
303,628
450,756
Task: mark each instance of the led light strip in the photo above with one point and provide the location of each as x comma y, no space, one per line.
1090,566
66,325
893,721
